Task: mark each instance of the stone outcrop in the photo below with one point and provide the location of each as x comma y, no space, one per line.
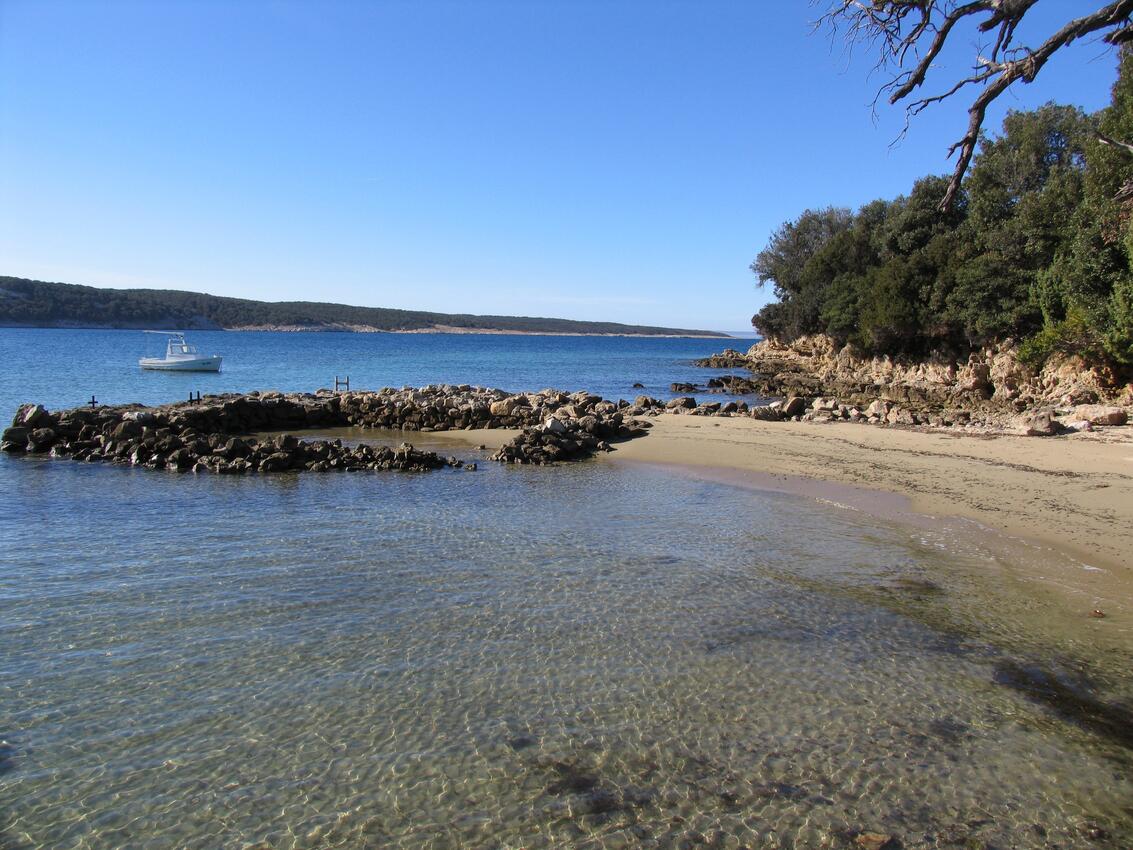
989,382
214,434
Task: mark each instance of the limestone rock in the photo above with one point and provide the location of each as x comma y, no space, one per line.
766,413
1098,414
1039,423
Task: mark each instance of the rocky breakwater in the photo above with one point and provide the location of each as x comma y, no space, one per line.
217,434
579,426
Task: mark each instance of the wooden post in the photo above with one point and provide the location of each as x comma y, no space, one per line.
93,401
343,383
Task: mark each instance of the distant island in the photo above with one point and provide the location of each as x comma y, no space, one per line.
39,304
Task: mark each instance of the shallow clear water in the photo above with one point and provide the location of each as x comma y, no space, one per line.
595,655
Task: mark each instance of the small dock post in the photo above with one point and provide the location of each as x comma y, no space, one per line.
93,401
341,384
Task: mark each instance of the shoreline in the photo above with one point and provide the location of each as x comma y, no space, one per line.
1062,526
1075,493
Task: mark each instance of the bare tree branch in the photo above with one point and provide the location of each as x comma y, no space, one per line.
1125,147
915,32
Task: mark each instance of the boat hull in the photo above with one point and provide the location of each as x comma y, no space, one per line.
196,364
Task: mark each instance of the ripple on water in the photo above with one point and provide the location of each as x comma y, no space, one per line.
582,656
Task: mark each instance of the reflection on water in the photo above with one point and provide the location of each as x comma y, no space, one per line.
583,656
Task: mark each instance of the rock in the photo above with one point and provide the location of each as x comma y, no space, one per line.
41,439
14,439
504,407
793,406
682,402
727,359
554,426
766,413
1039,423
1099,414
878,408
638,386
31,416
682,388
180,460
899,416
126,429
874,841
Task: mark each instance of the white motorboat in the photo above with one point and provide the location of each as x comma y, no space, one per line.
180,356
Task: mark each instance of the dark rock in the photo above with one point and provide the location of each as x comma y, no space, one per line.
793,406
32,416
14,439
41,439
682,388
683,402
180,460
727,359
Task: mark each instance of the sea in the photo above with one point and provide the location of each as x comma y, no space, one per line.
594,655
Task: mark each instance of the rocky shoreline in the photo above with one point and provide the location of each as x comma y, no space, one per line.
989,391
215,434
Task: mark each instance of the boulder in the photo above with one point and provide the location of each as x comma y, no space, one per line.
504,407
14,439
41,439
684,402
31,416
682,388
1039,423
766,413
1101,414
793,406
127,429
554,426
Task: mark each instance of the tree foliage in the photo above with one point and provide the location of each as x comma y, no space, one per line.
1036,245
35,303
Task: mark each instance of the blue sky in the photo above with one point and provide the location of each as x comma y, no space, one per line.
598,160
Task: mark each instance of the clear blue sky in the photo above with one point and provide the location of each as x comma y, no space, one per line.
591,160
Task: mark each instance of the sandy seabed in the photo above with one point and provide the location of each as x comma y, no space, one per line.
1072,494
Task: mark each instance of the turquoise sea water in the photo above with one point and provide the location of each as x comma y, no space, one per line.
596,655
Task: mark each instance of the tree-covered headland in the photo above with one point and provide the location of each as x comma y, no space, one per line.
1031,240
